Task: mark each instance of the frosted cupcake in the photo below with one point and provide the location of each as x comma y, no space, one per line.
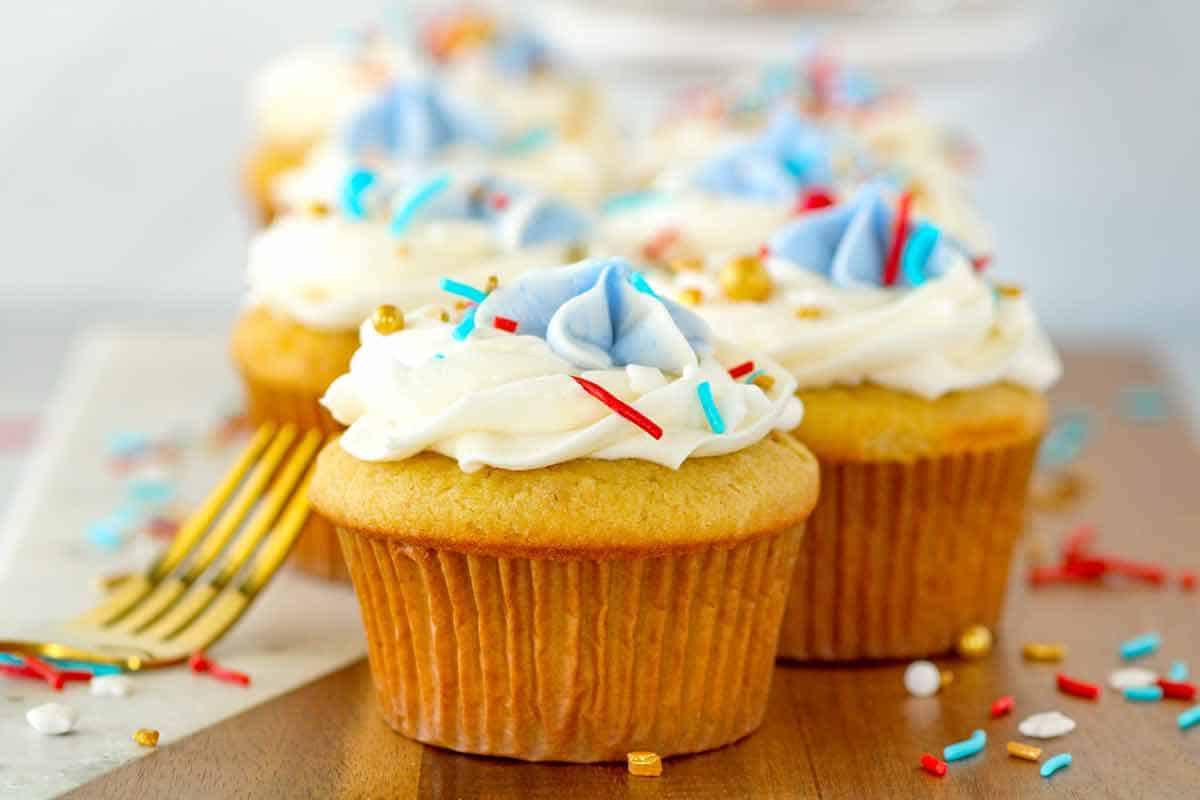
922,385
315,277
571,530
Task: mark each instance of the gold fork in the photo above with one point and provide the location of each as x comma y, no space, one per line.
161,616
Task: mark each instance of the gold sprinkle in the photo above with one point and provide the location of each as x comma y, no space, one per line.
1043,651
401,249
691,297
388,319
576,251
686,264
1025,751
945,678
810,312
974,642
492,283
1009,290
645,764
765,382
318,209
745,278
444,315
146,737
1060,492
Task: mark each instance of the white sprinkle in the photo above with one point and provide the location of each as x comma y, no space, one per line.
52,719
1131,678
922,679
1046,725
111,685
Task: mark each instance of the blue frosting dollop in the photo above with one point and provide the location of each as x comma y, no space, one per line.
849,244
520,53
790,155
593,315
414,120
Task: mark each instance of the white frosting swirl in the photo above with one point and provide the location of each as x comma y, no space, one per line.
508,401
330,272
952,333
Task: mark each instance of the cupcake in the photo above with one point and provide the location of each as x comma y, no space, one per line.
922,384
315,277
570,528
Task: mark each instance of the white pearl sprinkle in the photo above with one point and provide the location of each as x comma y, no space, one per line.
922,679
111,685
1131,678
1046,725
52,719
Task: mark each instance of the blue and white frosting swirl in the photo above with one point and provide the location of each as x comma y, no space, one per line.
511,401
415,120
787,157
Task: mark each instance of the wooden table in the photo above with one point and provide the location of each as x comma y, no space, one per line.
831,732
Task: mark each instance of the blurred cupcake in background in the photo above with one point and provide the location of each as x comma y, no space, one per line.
922,384
314,277
570,529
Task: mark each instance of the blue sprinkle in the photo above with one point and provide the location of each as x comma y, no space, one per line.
402,218
464,328
916,252
1143,404
630,201
641,284
710,408
356,184
798,165
1140,646
753,376
1144,694
1055,763
463,290
439,355
105,535
1189,718
151,490
1066,439
85,666
966,748
531,140
1178,672
125,444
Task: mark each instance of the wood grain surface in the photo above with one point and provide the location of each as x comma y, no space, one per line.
831,732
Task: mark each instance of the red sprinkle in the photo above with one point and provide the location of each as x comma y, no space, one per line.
658,245
14,671
1187,581
625,410
1002,706
499,201
741,369
980,263
764,252
1069,685
1177,690
1040,576
46,672
891,267
932,765
814,199
201,663
1137,570
505,324
1088,569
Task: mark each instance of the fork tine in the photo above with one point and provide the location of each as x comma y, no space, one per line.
170,589
135,587
230,605
195,601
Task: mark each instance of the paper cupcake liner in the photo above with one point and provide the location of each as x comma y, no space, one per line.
900,558
572,660
317,550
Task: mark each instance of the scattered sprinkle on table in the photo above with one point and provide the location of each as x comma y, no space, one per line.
1144,694
966,748
1140,646
111,685
1076,687
1055,763
1131,677
1066,439
644,764
922,679
146,737
1189,718
1177,690
933,765
1143,404
1003,706
201,664
974,642
52,719
1178,671
1026,752
1043,651
1046,725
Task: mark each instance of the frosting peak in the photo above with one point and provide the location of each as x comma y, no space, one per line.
788,156
414,119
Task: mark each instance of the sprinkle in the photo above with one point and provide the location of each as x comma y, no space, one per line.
499,201
1078,541
1189,718
623,409
505,324
1143,404
980,263
1131,677
105,534
711,412
1055,763
813,199
1009,291
1043,651
916,252
764,382
945,678
1136,570
809,312
387,319
1178,671
464,328
659,243
52,719
1061,491
644,764
690,297
1046,725
1024,751
686,264
1144,694
974,642
1140,646
200,663
754,376
745,278
891,266
161,527
922,679
1177,690
125,444
1003,706
745,368
933,765
764,252
630,201
146,737
966,748
1066,439
46,672
1188,581
1078,688
641,284
533,139
463,290
356,184
425,193
111,686
151,489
